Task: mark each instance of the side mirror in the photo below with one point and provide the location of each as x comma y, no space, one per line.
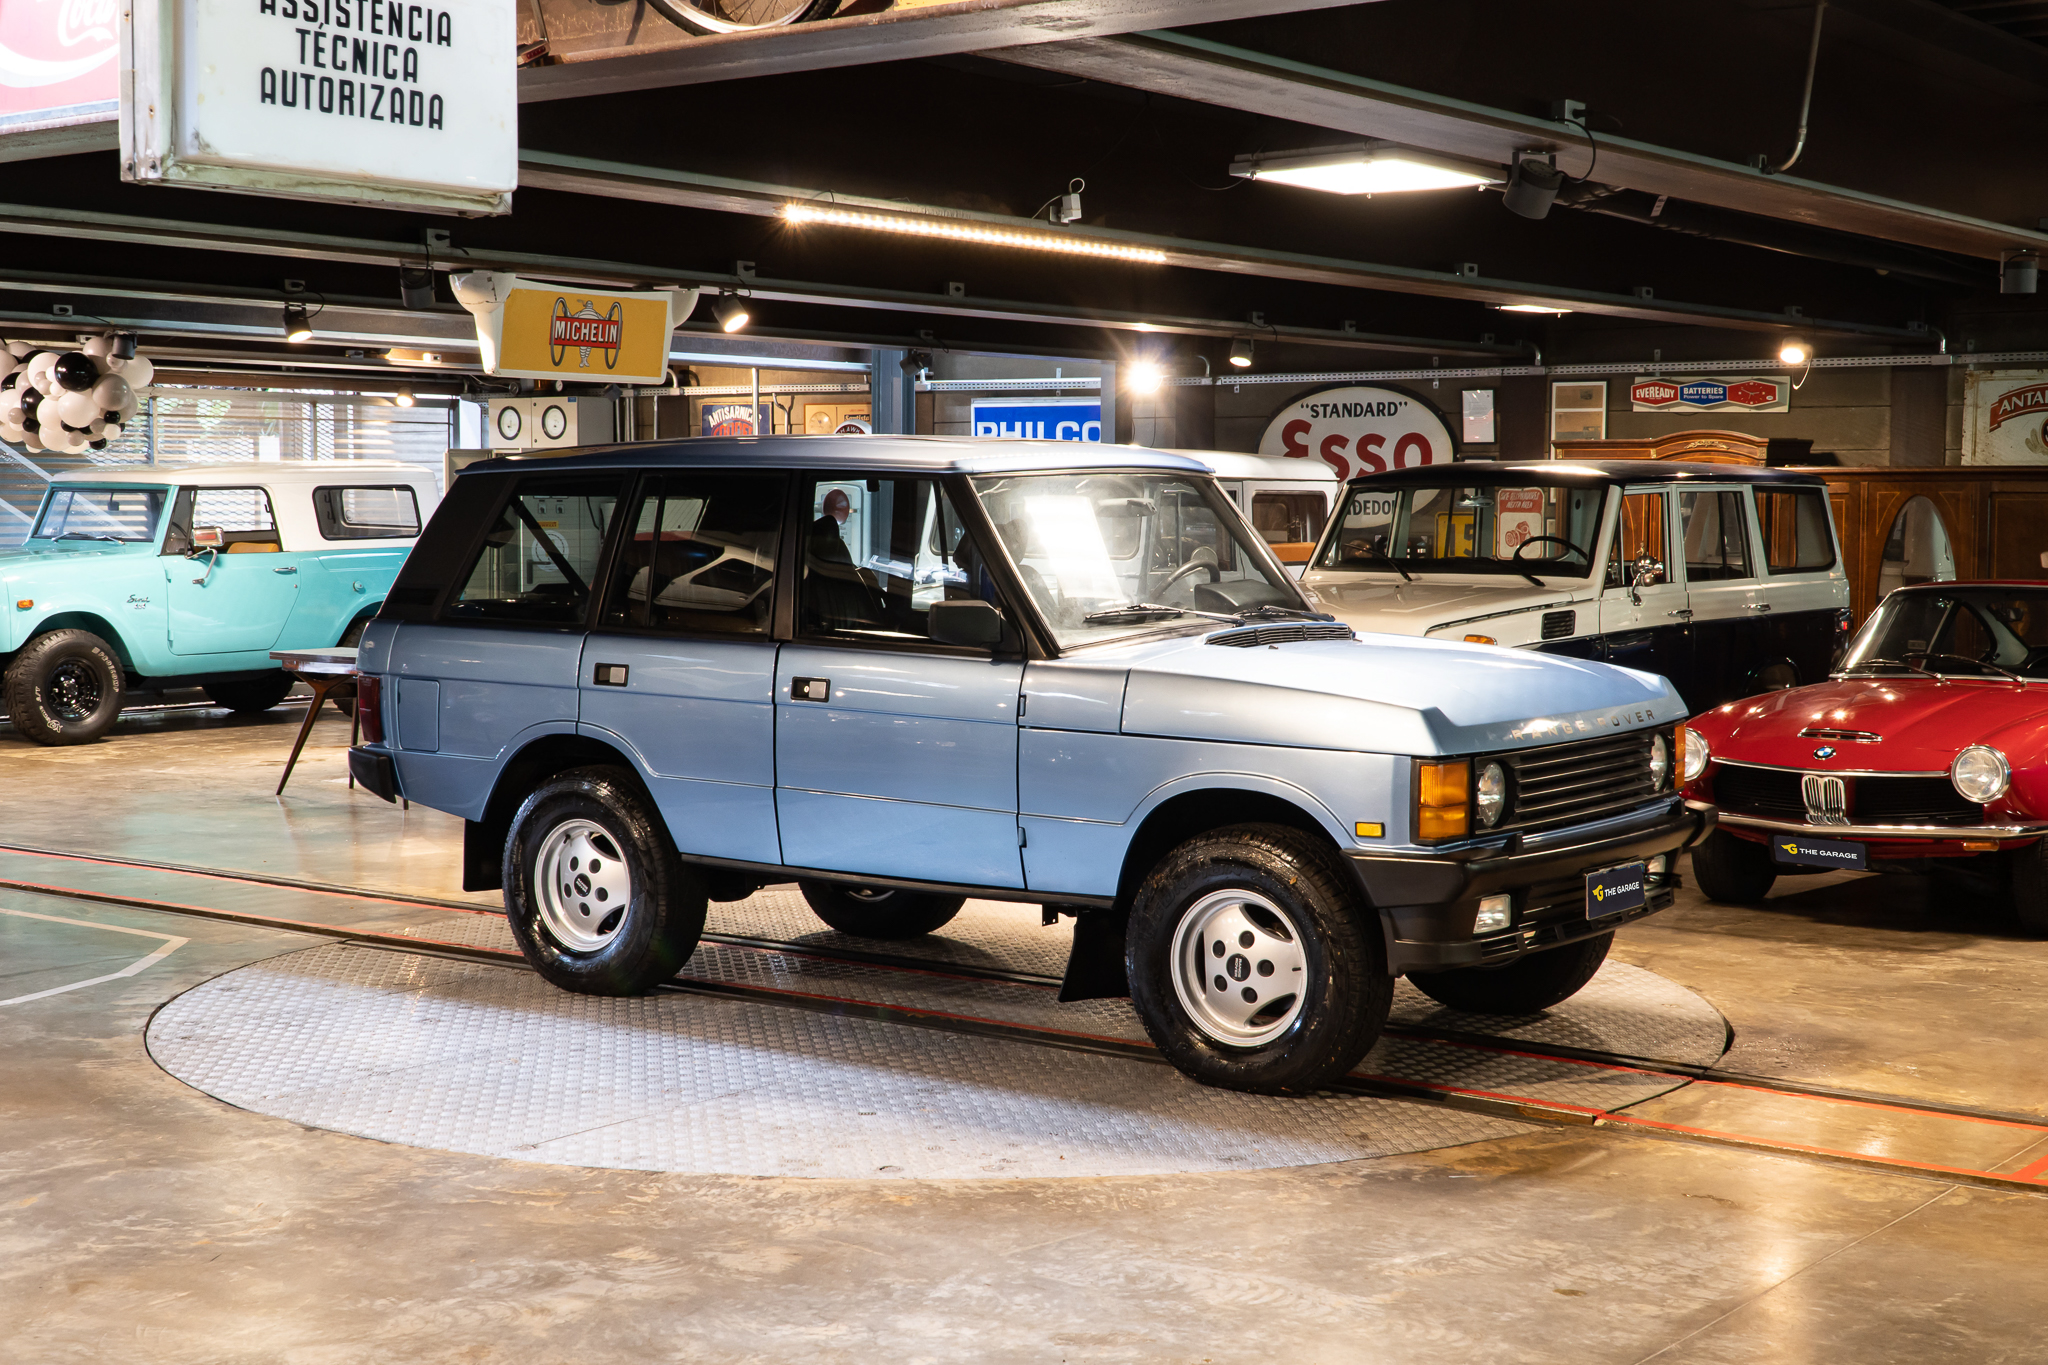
968,622
207,538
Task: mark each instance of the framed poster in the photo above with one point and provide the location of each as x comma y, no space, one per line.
1578,410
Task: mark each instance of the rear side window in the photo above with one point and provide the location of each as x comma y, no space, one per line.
1795,527
386,512
541,554
698,555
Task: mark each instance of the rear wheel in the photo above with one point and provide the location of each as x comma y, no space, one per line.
2030,887
595,894
1731,870
1253,964
738,16
879,911
64,688
1534,983
251,696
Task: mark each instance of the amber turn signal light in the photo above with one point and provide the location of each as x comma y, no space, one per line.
1443,798
24,604
1480,640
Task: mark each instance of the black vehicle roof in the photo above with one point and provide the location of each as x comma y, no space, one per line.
1585,473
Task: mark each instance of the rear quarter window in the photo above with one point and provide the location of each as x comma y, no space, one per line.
1794,522
367,512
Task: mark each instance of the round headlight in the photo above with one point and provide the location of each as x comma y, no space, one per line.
1490,794
1660,763
1980,774
1692,749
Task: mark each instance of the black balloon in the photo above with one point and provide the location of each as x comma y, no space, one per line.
100,444
75,371
30,424
30,401
10,380
112,415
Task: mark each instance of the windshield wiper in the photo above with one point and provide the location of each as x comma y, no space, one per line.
1890,663
88,535
1966,659
1131,610
1382,559
1268,610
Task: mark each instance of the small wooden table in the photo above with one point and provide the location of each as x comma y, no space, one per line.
328,672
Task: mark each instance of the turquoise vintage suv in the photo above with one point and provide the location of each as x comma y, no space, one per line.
148,579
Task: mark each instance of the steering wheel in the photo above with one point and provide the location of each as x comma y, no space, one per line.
1569,547
1184,570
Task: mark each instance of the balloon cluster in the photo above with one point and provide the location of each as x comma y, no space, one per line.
68,401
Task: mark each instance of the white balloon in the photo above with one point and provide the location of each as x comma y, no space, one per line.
112,431
138,372
32,440
96,347
77,409
111,392
8,364
10,405
18,349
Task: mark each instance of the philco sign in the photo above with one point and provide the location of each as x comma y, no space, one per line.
530,330
1749,393
363,101
1359,430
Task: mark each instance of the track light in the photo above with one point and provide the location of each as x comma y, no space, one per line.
1241,352
915,364
404,398
966,230
122,346
298,324
415,287
1366,168
1795,352
731,313
2019,273
1533,308
1146,377
1532,187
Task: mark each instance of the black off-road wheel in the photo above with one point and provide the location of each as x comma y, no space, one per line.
879,911
1534,983
595,894
2029,868
246,698
64,687
1255,964
1733,871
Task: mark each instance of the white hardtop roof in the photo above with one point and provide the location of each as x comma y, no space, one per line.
1229,464
253,472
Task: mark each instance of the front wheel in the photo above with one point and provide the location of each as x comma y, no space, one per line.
64,688
1731,870
248,697
1254,965
740,16
595,894
879,911
1535,983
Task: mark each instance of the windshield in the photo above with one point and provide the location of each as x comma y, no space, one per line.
1965,632
1449,528
104,514
1104,555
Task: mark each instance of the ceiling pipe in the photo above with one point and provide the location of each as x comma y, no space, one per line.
1763,163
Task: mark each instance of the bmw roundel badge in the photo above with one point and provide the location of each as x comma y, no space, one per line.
1824,751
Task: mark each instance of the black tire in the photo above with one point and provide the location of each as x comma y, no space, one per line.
616,945
1325,937
64,687
695,19
350,639
253,695
1534,983
2029,868
1733,871
879,911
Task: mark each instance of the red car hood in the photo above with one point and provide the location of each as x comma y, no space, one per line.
1920,723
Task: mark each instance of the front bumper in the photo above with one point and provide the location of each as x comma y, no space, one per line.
1917,836
1427,901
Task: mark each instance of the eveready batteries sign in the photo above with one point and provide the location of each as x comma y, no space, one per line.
529,330
1359,430
1746,393
1039,419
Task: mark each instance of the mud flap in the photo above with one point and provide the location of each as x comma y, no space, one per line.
1095,964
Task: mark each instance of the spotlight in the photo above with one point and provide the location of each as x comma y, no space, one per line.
1795,352
1532,185
915,363
404,398
415,287
1368,168
1241,352
1146,377
731,313
2019,273
122,346
298,325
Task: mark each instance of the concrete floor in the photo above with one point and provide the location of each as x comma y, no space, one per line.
142,1220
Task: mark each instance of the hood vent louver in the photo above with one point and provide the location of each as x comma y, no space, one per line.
1251,637
1847,736
1560,625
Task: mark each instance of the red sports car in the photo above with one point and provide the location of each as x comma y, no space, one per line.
1928,741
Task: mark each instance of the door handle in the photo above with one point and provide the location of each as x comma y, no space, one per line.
810,689
1683,613
288,568
610,675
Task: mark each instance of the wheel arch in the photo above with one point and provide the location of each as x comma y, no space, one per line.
82,620
1195,806
483,840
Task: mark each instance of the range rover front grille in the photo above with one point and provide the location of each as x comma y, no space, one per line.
1774,794
1569,784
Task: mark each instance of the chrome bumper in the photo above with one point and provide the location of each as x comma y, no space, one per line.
1944,833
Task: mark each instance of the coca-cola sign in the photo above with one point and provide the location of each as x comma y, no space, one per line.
56,55
1359,430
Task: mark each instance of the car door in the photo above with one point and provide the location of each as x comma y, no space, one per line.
1724,594
1643,616
894,756
233,600
1804,583
680,668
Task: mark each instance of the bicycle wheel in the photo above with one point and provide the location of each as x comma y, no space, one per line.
738,16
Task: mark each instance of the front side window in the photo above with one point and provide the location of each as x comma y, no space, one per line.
1449,528
119,515
1964,632
1105,555
241,515
1795,528
1640,557
541,554
700,555
1716,538
877,552
391,512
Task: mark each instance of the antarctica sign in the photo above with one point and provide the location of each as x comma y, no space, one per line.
360,101
1359,430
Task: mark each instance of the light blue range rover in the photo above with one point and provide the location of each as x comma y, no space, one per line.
901,672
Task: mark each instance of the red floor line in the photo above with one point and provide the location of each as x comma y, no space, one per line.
225,916
2036,1171
1528,1100
1901,1162
1878,1105
248,881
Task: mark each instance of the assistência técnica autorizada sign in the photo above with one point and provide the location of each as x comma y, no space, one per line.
359,59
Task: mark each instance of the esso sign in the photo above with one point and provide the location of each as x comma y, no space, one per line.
1359,430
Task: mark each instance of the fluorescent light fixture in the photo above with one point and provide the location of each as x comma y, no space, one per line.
965,230
731,313
1533,308
1795,352
1367,168
298,325
1146,377
1241,352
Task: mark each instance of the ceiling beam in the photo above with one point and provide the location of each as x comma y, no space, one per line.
621,48
1190,68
